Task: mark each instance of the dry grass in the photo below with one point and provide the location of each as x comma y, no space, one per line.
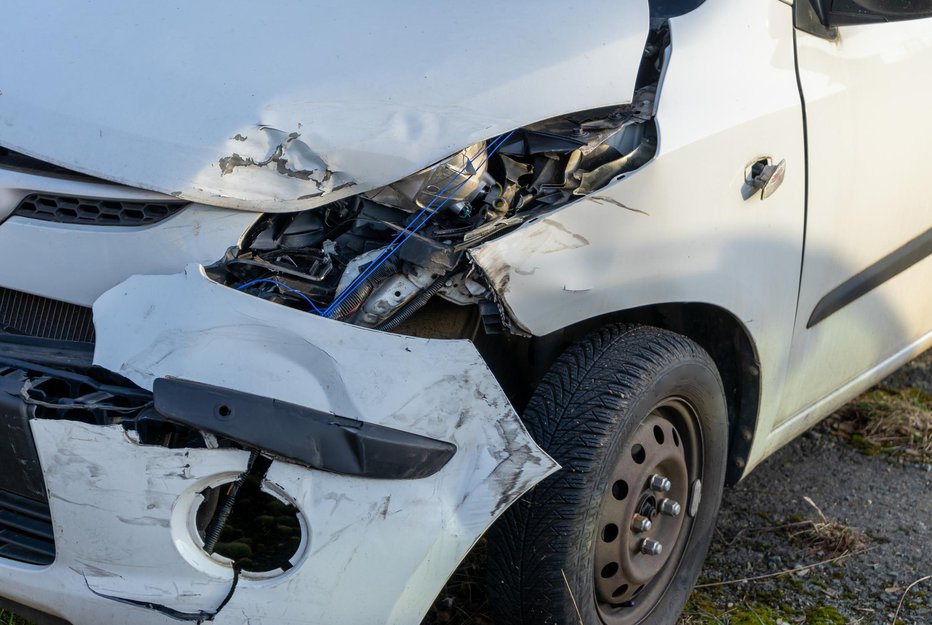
827,536
897,422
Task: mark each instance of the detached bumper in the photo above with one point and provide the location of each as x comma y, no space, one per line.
123,512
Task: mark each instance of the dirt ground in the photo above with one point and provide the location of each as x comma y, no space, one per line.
765,527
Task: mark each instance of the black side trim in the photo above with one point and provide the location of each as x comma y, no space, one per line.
310,437
884,269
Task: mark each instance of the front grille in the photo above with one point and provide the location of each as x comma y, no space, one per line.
66,209
32,315
26,533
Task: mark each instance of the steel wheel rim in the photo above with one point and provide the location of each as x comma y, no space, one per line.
629,579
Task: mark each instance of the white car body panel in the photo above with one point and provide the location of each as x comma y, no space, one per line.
187,326
282,114
76,263
677,230
303,83
93,479
867,198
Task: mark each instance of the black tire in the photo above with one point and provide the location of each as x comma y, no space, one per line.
542,552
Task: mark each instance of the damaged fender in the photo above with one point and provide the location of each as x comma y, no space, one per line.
398,539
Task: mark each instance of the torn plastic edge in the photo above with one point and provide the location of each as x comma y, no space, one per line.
190,617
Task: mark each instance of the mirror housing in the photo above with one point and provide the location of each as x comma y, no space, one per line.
834,13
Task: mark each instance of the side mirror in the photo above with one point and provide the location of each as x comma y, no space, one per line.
834,13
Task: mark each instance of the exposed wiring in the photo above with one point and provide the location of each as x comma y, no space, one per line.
416,224
283,286
212,535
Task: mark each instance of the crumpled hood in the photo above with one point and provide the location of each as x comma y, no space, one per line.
293,104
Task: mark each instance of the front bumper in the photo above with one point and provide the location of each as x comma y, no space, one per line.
122,511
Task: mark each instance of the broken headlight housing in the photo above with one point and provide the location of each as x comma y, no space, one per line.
376,258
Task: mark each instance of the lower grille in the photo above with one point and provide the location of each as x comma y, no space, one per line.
26,533
31,315
66,209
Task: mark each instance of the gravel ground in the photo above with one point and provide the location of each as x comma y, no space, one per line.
888,500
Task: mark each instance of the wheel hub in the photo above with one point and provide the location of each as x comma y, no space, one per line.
643,520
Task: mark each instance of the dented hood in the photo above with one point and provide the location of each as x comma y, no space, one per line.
290,105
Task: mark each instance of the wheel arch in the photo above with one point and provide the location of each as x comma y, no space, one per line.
717,331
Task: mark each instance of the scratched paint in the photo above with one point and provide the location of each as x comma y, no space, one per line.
187,326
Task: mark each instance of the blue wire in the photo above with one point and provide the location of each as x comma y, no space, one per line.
395,244
409,232
284,286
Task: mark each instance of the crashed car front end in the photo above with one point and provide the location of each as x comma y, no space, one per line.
136,484
286,341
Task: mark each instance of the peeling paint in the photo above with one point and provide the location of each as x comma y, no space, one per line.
289,149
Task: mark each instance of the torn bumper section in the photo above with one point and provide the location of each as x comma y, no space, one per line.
396,453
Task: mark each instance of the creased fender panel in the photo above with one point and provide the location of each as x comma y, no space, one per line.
400,539
244,105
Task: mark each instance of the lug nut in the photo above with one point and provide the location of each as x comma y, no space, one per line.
669,507
659,484
641,523
651,547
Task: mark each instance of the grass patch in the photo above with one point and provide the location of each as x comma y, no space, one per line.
7,618
895,422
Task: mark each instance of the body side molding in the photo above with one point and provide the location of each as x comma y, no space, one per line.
866,281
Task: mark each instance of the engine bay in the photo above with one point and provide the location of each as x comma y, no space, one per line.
376,258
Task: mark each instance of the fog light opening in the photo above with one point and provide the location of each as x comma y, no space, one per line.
262,534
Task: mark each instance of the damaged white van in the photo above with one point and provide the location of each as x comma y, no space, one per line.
300,300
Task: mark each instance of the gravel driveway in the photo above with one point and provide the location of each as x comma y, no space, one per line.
888,500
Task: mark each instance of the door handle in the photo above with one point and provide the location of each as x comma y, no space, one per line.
764,176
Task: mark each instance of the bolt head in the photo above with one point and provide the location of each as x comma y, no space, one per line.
660,484
670,507
651,547
641,524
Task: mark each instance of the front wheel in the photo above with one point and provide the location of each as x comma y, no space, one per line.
637,418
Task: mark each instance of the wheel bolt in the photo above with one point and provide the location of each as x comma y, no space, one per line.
641,523
659,483
669,507
651,547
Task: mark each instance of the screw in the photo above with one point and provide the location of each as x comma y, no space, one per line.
641,523
669,507
659,483
651,547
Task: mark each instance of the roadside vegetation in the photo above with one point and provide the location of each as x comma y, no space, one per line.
896,422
